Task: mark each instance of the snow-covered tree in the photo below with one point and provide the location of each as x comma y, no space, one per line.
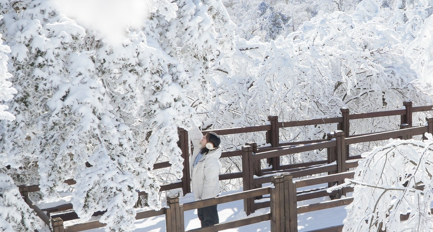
6,91
420,50
334,60
267,19
82,100
15,214
392,180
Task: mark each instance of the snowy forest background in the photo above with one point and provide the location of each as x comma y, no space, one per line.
112,89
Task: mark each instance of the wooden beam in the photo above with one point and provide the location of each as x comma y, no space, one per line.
338,228
228,176
226,198
324,205
84,226
234,224
293,150
38,211
239,130
311,122
386,135
324,179
422,108
377,114
150,213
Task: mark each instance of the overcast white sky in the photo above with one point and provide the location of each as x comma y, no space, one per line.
109,17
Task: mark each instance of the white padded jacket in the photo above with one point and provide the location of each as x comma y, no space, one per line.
205,174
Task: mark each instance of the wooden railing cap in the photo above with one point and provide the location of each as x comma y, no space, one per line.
277,179
344,109
174,199
338,133
407,103
247,148
57,221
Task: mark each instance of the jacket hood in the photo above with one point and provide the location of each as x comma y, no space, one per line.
214,153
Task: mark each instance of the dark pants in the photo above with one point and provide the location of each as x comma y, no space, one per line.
208,216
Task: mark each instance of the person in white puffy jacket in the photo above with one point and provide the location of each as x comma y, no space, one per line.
205,172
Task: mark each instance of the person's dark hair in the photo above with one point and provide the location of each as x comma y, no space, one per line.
213,138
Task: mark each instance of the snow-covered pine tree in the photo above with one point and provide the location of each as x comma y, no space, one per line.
19,30
6,91
15,214
82,100
199,38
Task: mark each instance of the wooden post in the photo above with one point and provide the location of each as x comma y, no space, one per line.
256,168
345,126
407,117
174,215
404,126
247,177
256,164
290,205
340,155
57,224
430,125
183,144
277,205
331,150
340,151
331,153
273,137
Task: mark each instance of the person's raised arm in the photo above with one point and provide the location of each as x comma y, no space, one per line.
195,135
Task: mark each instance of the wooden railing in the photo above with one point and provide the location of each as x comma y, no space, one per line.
337,162
280,202
336,166
273,137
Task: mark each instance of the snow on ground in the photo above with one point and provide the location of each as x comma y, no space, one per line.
234,210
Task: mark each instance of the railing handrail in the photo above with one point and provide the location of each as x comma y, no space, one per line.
227,198
293,150
386,135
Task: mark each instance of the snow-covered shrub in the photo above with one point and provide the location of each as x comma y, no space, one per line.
392,180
